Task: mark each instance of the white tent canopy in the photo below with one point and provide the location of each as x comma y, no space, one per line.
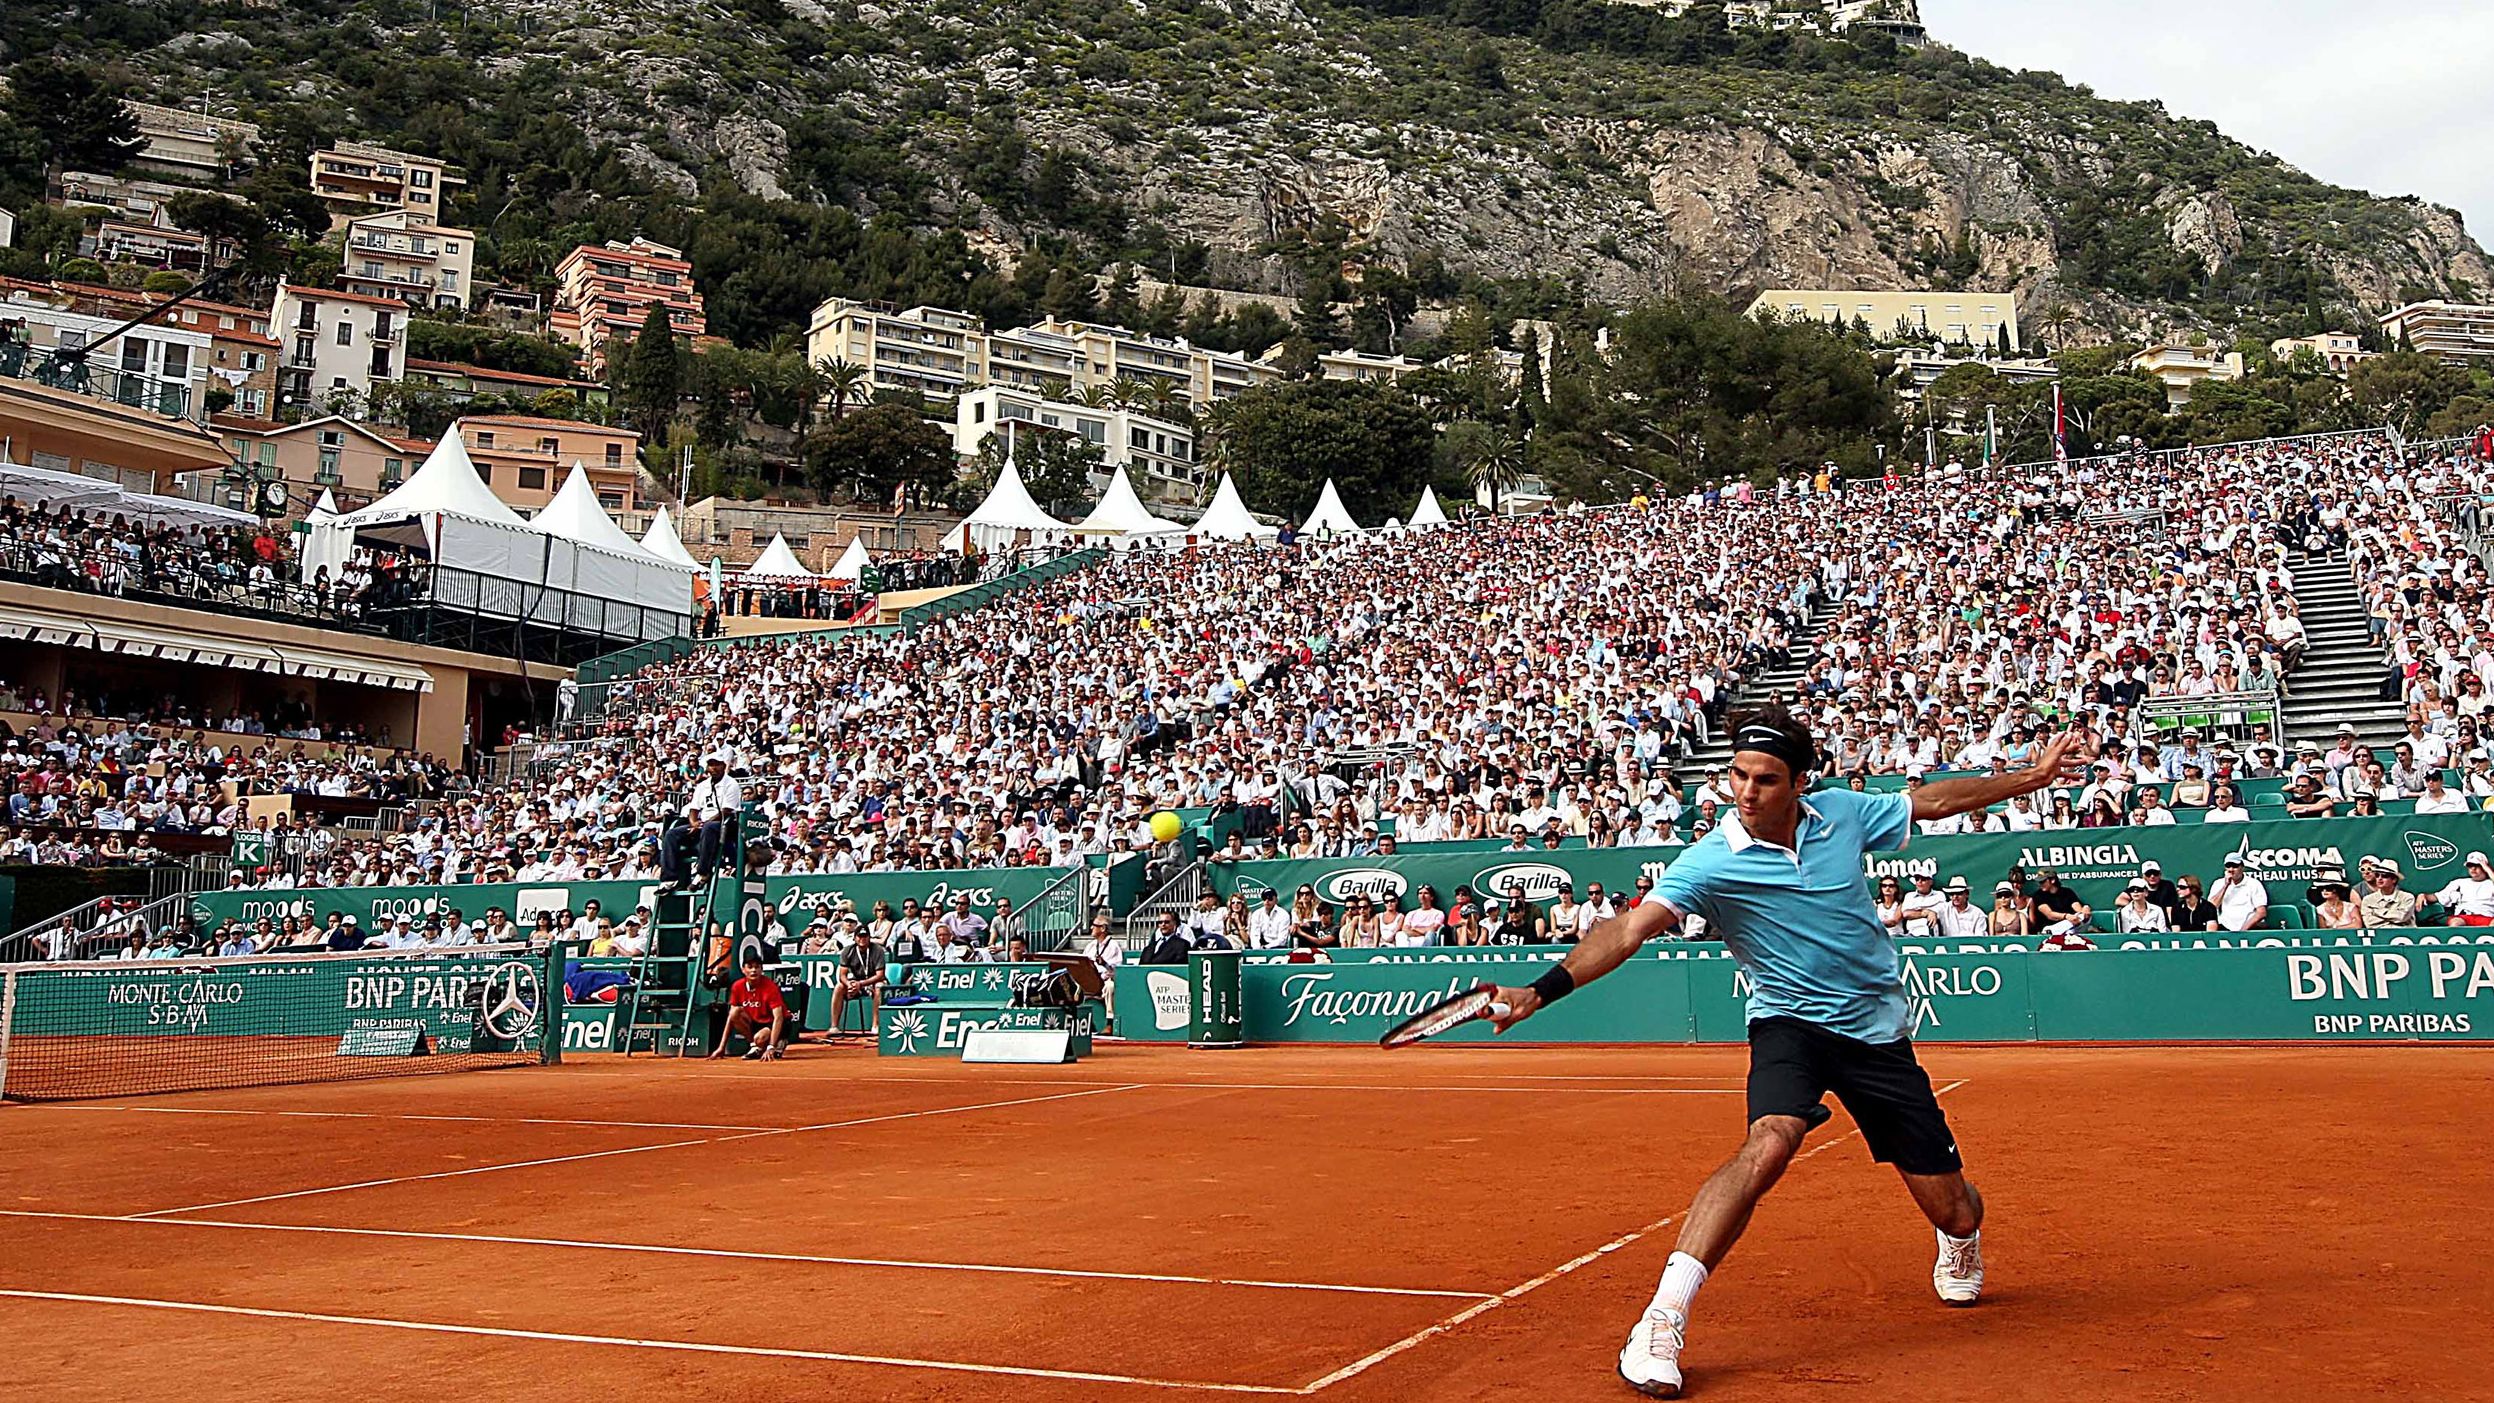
489,561
603,561
1428,513
1122,513
1227,519
662,541
1329,518
322,548
446,483
1007,511
777,565
852,562
44,487
53,487
574,515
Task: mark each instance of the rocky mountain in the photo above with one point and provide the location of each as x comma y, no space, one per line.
1601,151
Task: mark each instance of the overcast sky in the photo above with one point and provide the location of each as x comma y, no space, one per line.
2369,95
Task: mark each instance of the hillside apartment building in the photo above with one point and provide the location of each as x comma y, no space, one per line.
605,292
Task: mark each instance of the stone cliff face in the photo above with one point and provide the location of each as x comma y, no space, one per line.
1236,122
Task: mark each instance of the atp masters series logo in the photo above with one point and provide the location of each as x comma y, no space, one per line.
2426,852
1169,999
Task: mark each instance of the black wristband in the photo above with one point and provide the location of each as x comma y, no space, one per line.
1555,984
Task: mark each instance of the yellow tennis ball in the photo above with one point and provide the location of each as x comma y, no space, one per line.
1166,826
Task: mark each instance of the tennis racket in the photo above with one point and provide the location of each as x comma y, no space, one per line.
1448,1013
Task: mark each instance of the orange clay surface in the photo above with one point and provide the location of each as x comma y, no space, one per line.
2217,1225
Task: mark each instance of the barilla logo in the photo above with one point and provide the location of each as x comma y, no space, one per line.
1524,881
1375,882
1169,1001
2430,852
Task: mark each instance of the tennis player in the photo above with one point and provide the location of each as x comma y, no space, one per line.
1780,883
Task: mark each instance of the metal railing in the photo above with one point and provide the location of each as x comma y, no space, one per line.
93,928
1177,895
1060,913
2248,713
83,375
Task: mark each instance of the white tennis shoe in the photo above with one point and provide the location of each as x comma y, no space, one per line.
1958,1274
1650,1361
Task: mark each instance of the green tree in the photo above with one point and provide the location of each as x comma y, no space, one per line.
888,452
223,220
2405,389
653,376
1056,468
844,381
1283,440
78,119
1532,402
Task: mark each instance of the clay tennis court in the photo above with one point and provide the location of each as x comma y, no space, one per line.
1446,1223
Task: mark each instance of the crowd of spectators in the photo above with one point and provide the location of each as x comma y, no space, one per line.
114,552
1537,679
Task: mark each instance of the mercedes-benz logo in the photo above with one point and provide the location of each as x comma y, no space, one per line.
511,1001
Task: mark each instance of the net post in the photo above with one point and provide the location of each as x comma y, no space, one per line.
550,1005
8,1020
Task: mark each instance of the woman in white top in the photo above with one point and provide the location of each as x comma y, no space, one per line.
1889,904
2135,914
1566,915
1390,919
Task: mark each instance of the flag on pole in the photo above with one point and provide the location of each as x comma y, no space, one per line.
2060,429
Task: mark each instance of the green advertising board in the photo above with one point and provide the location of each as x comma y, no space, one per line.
937,1030
792,898
1683,995
372,905
456,1005
2094,862
1533,876
2284,854
786,897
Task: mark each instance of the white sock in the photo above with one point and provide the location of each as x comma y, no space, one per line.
1682,1275
1944,1237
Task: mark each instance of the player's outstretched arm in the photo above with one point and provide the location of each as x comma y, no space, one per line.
1605,948
2062,762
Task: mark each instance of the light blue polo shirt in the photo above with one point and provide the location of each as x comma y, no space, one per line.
1799,919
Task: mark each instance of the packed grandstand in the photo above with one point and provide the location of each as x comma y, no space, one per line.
1544,681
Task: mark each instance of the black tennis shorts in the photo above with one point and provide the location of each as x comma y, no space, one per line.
1793,1064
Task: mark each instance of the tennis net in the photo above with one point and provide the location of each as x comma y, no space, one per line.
127,1028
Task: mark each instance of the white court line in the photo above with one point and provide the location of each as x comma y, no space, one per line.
1430,1332
390,1115
686,1346
630,1150
662,1249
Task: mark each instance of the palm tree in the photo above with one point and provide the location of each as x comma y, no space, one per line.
1095,396
1127,393
1167,401
1499,466
1212,430
843,380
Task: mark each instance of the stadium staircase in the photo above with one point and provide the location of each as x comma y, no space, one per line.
2339,681
1771,685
